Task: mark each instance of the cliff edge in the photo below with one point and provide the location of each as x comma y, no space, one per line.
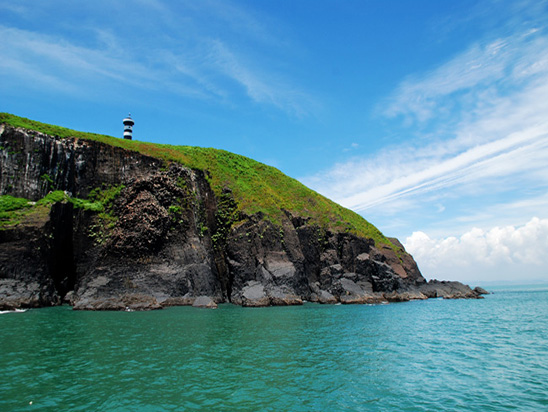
103,223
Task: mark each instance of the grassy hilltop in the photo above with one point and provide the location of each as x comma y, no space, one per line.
256,187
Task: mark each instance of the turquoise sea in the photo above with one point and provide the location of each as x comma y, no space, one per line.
434,355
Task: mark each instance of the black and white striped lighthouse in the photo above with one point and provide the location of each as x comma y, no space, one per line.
128,127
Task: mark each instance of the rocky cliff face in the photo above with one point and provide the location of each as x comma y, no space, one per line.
167,239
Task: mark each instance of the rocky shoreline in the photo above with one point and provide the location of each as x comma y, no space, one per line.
254,296
167,239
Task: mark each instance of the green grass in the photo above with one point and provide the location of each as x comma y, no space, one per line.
16,210
13,210
10,203
256,187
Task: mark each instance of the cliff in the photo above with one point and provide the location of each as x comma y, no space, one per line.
104,223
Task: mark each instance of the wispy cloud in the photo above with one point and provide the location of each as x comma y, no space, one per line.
53,61
513,154
497,94
178,54
269,89
480,65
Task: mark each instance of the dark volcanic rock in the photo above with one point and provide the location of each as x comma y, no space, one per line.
124,302
448,290
204,302
74,165
167,239
405,296
254,295
32,269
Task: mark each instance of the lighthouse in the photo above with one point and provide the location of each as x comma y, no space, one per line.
128,127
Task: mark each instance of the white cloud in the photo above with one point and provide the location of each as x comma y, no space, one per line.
478,161
478,65
500,253
503,157
499,142
353,146
224,61
53,61
260,87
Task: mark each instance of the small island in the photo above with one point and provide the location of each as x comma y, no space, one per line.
105,223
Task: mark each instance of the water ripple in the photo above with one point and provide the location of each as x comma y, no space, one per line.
489,355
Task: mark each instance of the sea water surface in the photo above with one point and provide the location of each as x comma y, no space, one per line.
434,355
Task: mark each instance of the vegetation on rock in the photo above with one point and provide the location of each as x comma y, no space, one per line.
256,187
12,210
15,210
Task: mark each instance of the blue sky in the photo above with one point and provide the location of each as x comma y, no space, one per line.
429,118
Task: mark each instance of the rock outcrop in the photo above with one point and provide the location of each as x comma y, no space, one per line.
168,239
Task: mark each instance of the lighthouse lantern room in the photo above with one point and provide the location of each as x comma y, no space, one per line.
128,127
